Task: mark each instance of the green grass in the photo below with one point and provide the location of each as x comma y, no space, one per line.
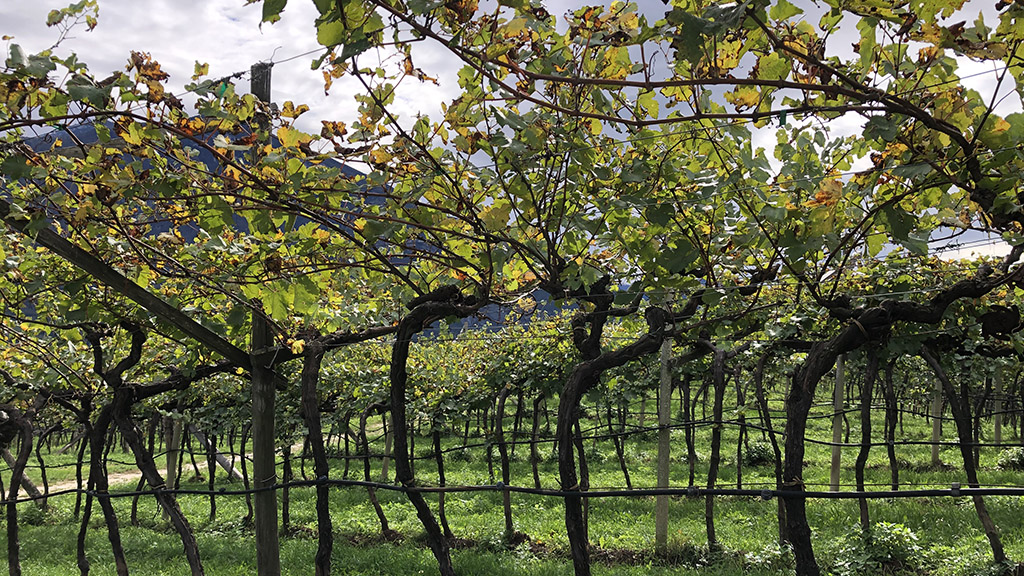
949,538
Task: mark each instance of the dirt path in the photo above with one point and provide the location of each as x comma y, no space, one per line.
132,476
119,478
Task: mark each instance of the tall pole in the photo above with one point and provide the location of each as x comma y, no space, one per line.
259,80
664,444
837,422
264,465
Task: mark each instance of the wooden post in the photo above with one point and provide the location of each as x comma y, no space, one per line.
664,445
997,405
837,423
259,80
936,415
264,466
268,560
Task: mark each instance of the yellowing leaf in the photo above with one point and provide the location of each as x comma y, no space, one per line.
999,126
292,137
515,27
379,156
290,110
200,70
744,97
828,194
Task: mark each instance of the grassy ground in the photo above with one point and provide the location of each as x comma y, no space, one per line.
939,536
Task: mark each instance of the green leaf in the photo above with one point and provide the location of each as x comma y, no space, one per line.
660,214
868,43
875,244
881,128
784,11
898,222
272,10
830,20
354,49
677,260
83,89
331,33
516,4
16,57
912,170
648,103
15,167
277,300
773,66
774,213
496,216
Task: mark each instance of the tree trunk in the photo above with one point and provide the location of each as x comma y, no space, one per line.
718,374
17,475
211,449
689,430
286,478
742,424
245,475
321,467
80,481
584,483
211,472
618,441
962,417
866,392
838,404
506,497
346,422
439,460
26,483
890,426
582,378
389,435
144,459
98,480
767,421
979,410
367,476
408,327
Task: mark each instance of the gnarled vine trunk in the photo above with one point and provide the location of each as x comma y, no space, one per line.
959,406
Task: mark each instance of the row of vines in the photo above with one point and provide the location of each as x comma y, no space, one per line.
216,263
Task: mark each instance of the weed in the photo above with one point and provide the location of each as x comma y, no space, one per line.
887,548
758,454
1011,459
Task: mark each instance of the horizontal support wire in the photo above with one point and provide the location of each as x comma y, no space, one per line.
703,423
691,491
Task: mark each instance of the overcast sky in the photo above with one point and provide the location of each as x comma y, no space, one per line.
224,33
227,35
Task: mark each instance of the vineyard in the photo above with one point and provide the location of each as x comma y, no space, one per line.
490,467
662,289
